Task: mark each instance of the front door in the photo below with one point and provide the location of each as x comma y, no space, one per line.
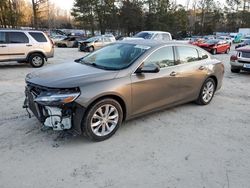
3,47
19,45
153,90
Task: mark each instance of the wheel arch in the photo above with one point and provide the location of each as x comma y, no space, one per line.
115,97
35,52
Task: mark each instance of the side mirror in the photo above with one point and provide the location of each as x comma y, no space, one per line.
151,68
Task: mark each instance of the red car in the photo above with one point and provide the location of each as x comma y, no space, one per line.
215,46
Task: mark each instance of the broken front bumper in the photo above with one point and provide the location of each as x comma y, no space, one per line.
61,117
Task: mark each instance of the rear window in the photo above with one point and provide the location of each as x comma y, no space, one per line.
17,37
39,37
2,37
187,54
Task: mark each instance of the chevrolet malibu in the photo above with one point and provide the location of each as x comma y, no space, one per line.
124,80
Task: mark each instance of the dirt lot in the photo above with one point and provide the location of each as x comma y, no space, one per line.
187,146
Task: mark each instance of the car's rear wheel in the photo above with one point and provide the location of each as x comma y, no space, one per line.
233,70
214,51
103,119
206,92
36,60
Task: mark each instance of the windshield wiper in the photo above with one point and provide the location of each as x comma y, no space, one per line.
98,66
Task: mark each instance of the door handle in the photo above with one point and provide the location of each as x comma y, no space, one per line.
173,73
28,45
3,46
202,68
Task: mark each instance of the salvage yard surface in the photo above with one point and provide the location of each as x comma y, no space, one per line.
188,146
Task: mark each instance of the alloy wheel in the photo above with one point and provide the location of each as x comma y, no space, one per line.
104,120
208,91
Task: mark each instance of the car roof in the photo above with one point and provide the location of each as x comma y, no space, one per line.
154,32
19,30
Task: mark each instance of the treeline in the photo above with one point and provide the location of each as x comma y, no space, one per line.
130,16
35,14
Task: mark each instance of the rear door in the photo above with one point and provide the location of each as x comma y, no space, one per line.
4,49
19,45
192,71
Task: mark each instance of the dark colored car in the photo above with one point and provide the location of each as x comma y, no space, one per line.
215,46
245,43
121,81
241,60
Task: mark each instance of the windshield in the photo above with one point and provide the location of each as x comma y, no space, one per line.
115,57
212,41
144,35
92,39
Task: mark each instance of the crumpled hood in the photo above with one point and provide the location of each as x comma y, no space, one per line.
69,75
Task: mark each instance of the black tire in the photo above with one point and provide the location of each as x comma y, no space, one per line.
214,51
36,60
201,100
91,49
227,51
89,118
233,70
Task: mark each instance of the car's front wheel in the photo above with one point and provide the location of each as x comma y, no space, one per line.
206,92
103,119
227,51
36,60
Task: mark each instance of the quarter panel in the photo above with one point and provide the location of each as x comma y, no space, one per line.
120,87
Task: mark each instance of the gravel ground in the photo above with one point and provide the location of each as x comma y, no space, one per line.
186,146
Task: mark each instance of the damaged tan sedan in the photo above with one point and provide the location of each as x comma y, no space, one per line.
96,93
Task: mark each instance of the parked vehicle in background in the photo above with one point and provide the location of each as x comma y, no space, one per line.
216,46
245,38
69,42
31,46
238,38
153,35
226,38
95,43
244,31
196,40
241,60
57,38
119,82
209,37
245,43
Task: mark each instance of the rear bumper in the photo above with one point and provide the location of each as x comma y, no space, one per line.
240,65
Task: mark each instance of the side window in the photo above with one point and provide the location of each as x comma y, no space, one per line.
158,37
202,55
187,54
165,36
163,57
39,37
2,37
17,38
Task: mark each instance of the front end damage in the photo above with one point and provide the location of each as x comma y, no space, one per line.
55,108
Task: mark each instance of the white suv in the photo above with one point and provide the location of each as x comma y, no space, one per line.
25,46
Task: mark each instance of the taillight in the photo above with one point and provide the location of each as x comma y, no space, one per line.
52,43
233,58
